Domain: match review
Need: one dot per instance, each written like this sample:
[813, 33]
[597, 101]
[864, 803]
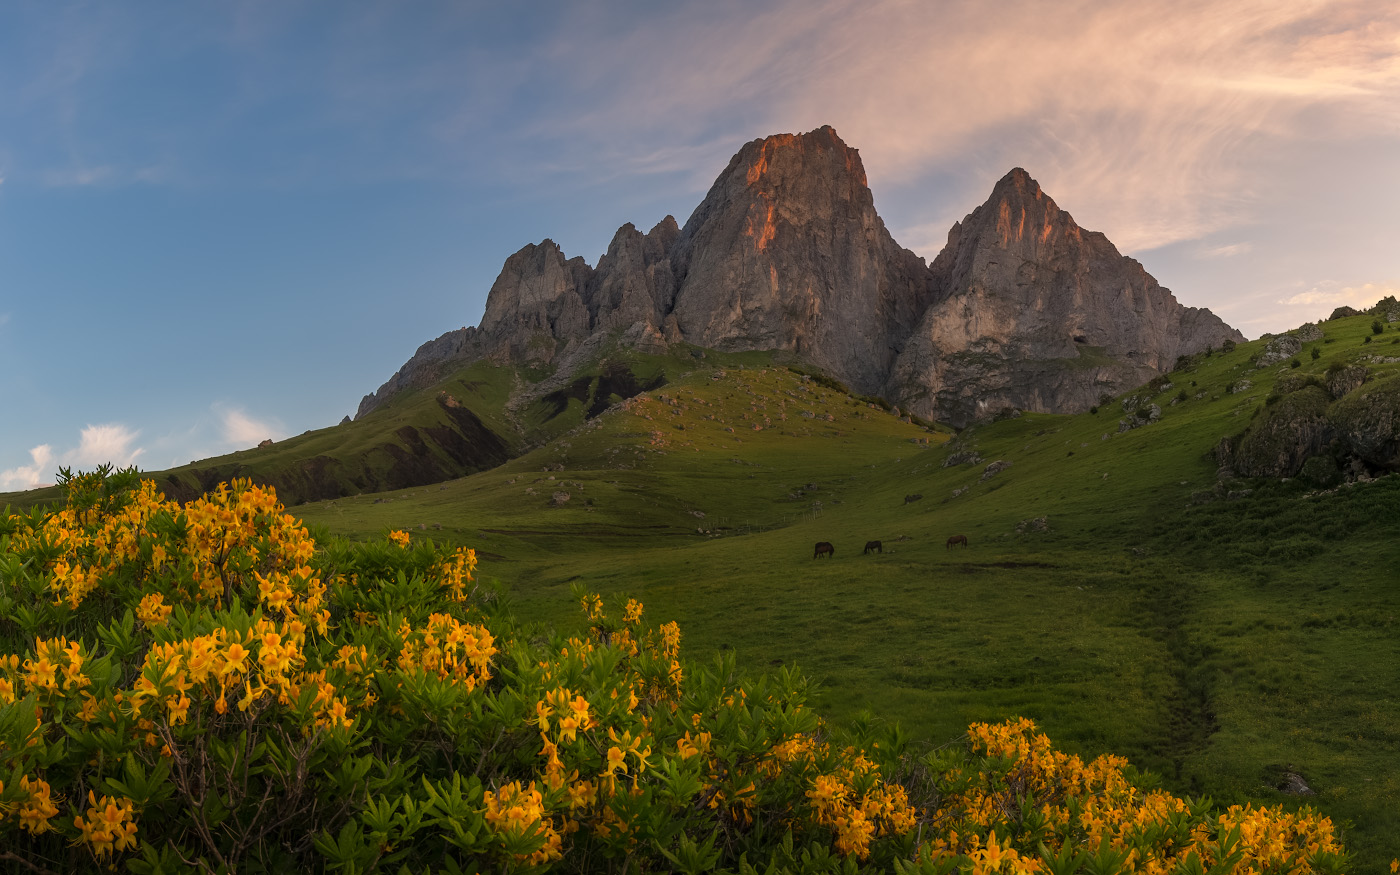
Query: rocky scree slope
[1022, 309]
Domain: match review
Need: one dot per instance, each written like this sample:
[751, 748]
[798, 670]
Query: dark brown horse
[874, 547]
[824, 548]
[955, 540]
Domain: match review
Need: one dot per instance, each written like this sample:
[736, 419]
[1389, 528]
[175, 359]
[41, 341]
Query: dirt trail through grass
[1169, 602]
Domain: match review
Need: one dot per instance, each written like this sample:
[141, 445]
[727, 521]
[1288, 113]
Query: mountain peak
[1017, 180]
[778, 157]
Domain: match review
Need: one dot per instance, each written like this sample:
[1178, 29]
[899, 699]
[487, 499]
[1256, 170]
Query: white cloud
[112, 443]
[104, 444]
[30, 476]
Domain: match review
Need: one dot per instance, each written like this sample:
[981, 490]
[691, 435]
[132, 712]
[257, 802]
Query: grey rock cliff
[1036, 313]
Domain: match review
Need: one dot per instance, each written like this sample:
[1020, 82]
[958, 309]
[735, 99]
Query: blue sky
[221, 222]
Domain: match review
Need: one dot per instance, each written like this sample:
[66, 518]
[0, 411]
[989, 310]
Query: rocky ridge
[1022, 309]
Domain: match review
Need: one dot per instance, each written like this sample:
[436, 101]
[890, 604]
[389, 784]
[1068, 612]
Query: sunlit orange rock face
[787, 252]
[1022, 308]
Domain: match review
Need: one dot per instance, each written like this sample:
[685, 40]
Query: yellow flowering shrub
[201, 687]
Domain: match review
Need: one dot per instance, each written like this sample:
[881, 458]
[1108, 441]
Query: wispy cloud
[1153, 121]
[240, 431]
[1227, 251]
[74, 177]
[1333, 294]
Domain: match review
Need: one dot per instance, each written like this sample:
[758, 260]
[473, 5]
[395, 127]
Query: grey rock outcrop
[1304, 432]
[1368, 420]
[1290, 430]
[1342, 380]
[1307, 332]
[1039, 314]
[1280, 348]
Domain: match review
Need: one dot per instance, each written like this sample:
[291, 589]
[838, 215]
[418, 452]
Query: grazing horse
[955, 540]
[912, 498]
[874, 547]
[824, 548]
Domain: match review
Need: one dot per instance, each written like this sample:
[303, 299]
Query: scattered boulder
[1142, 416]
[1293, 784]
[1307, 333]
[1343, 312]
[995, 468]
[964, 457]
[559, 499]
[345, 421]
[265, 443]
[1039, 524]
[1281, 348]
[1240, 385]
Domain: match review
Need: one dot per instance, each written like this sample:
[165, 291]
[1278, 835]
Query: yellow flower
[398, 537]
[234, 655]
[617, 759]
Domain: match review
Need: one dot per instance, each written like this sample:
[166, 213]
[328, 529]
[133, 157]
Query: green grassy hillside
[1224, 635]
[474, 420]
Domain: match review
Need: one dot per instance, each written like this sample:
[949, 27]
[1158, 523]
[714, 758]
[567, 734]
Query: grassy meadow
[1221, 643]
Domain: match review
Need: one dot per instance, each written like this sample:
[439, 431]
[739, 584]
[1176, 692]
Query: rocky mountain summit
[1036, 313]
[1022, 309]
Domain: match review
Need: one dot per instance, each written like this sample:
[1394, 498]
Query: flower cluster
[447, 648]
[1094, 805]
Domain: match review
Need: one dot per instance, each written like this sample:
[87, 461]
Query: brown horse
[955, 540]
[874, 547]
[824, 548]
